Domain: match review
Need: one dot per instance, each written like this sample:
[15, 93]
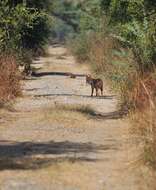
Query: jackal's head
[88, 79]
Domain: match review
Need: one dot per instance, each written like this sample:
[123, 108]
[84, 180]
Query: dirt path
[54, 141]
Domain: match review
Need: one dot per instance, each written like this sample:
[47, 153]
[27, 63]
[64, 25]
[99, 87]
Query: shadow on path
[41, 74]
[34, 155]
[76, 95]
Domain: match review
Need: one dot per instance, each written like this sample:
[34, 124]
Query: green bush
[22, 27]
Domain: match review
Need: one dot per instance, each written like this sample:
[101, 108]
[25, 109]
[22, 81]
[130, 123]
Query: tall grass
[144, 125]
[9, 79]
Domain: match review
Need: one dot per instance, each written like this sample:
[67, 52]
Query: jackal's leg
[101, 91]
[97, 92]
[92, 91]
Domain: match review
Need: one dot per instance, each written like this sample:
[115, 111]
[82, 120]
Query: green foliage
[91, 16]
[67, 11]
[11, 26]
[22, 27]
[36, 34]
[134, 22]
[46, 5]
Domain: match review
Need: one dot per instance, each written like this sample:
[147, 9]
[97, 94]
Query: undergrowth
[10, 86]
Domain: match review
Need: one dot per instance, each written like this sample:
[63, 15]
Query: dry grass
[9, 79]
[100, 53]
[142, 94]
[61, 113]
[144, 126]
[83, 109]
[143, 97]
[70, 116]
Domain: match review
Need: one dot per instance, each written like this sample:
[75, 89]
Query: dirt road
[53, 140]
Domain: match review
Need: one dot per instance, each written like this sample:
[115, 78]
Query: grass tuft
[84, 109]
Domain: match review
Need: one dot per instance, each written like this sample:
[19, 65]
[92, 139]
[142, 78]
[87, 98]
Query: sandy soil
[52, 140]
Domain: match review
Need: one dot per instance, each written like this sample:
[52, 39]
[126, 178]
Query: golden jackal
[95, 83]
